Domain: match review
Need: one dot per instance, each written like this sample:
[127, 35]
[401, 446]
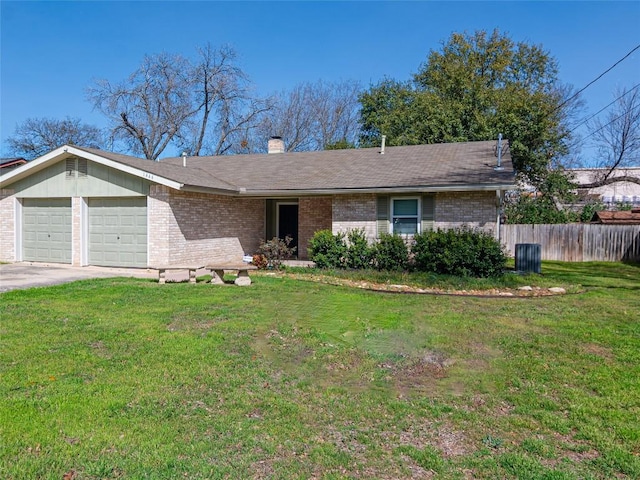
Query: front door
[288, 223]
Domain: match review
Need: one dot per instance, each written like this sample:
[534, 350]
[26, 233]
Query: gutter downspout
[498, 215]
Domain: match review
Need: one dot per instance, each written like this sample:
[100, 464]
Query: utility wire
[596, 79]
[604, 108]
[630, 112]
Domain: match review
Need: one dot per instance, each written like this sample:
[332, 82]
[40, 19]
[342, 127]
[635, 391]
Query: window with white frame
[405, 216]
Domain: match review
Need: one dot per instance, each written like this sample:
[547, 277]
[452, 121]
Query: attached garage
[46, 232]
[118, 232]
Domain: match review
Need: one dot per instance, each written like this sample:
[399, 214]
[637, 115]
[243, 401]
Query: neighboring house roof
[10, 162]
[625, 217]
[436, 167]
[6, 164]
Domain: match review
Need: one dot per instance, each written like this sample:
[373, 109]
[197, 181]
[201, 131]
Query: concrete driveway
[27, 275]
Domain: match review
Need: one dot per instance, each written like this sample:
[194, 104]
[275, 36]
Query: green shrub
[589, 210]
[276, 250]
[359, 252]
[390, 253]
[328, 250]
[463, 252]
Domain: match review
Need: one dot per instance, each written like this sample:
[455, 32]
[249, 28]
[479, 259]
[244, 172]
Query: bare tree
[149, 108]
[617, 138]
[202, 107]
[337, 112]
[290, 118]
[226, 107]
[312, 116]
[37, 136]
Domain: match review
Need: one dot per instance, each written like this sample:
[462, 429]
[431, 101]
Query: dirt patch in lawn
[419, 374]
[598, 350]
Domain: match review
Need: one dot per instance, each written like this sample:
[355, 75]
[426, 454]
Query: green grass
[125, 378]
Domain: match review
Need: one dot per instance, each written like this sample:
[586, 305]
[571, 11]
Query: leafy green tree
[342, 144]
[475, 87]
[532, 209]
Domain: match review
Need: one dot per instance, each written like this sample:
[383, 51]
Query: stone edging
[522, 292]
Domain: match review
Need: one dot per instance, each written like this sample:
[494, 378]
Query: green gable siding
[63, 180]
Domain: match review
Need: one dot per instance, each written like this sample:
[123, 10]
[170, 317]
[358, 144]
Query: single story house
[84, 206]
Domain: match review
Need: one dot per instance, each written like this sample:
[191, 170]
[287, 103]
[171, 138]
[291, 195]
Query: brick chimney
[276, 145]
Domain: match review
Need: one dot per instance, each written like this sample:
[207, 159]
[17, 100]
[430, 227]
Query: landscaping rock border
[521, 292]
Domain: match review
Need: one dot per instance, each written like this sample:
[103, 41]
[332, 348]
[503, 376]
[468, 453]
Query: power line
[612, 121]
[596, 79]
[604, 108]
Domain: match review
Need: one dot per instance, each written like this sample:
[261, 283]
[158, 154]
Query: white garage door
[46, 230]
[118, 232]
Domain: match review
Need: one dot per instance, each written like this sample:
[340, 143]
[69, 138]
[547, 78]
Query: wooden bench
[243, 279]
[162, 272]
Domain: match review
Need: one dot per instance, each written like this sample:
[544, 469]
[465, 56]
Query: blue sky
[51, 51]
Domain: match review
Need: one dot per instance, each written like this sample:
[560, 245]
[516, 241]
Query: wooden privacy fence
[576, 242]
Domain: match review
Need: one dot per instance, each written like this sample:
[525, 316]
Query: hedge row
[462, 252]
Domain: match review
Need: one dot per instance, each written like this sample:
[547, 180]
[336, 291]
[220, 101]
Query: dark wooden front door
[288, 223]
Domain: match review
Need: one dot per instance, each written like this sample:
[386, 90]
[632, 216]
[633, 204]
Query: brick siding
[199, 228]
[455, 209]
[187, 228]
[473, 209]
[7, 226]
[314, 213]
[352, 212]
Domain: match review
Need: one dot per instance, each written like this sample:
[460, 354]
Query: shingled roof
[437, 167]
[624, 217]
[454, 166]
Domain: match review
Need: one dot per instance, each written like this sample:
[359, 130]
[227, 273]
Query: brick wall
[186, 228]
[159, 218]
[7, 226]
[192, 228]
[455, 209]
[353, 212]
[314, 213]
[474, 209]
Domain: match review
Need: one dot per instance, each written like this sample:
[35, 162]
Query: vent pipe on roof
[384, 140]
[499, 167]
[275, 145]
[184, 159]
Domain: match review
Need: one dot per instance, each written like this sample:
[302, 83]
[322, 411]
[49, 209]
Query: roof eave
[209, 190]
[67, 151]
[375, 190]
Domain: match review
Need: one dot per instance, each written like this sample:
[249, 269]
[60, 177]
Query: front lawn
[125, 378]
